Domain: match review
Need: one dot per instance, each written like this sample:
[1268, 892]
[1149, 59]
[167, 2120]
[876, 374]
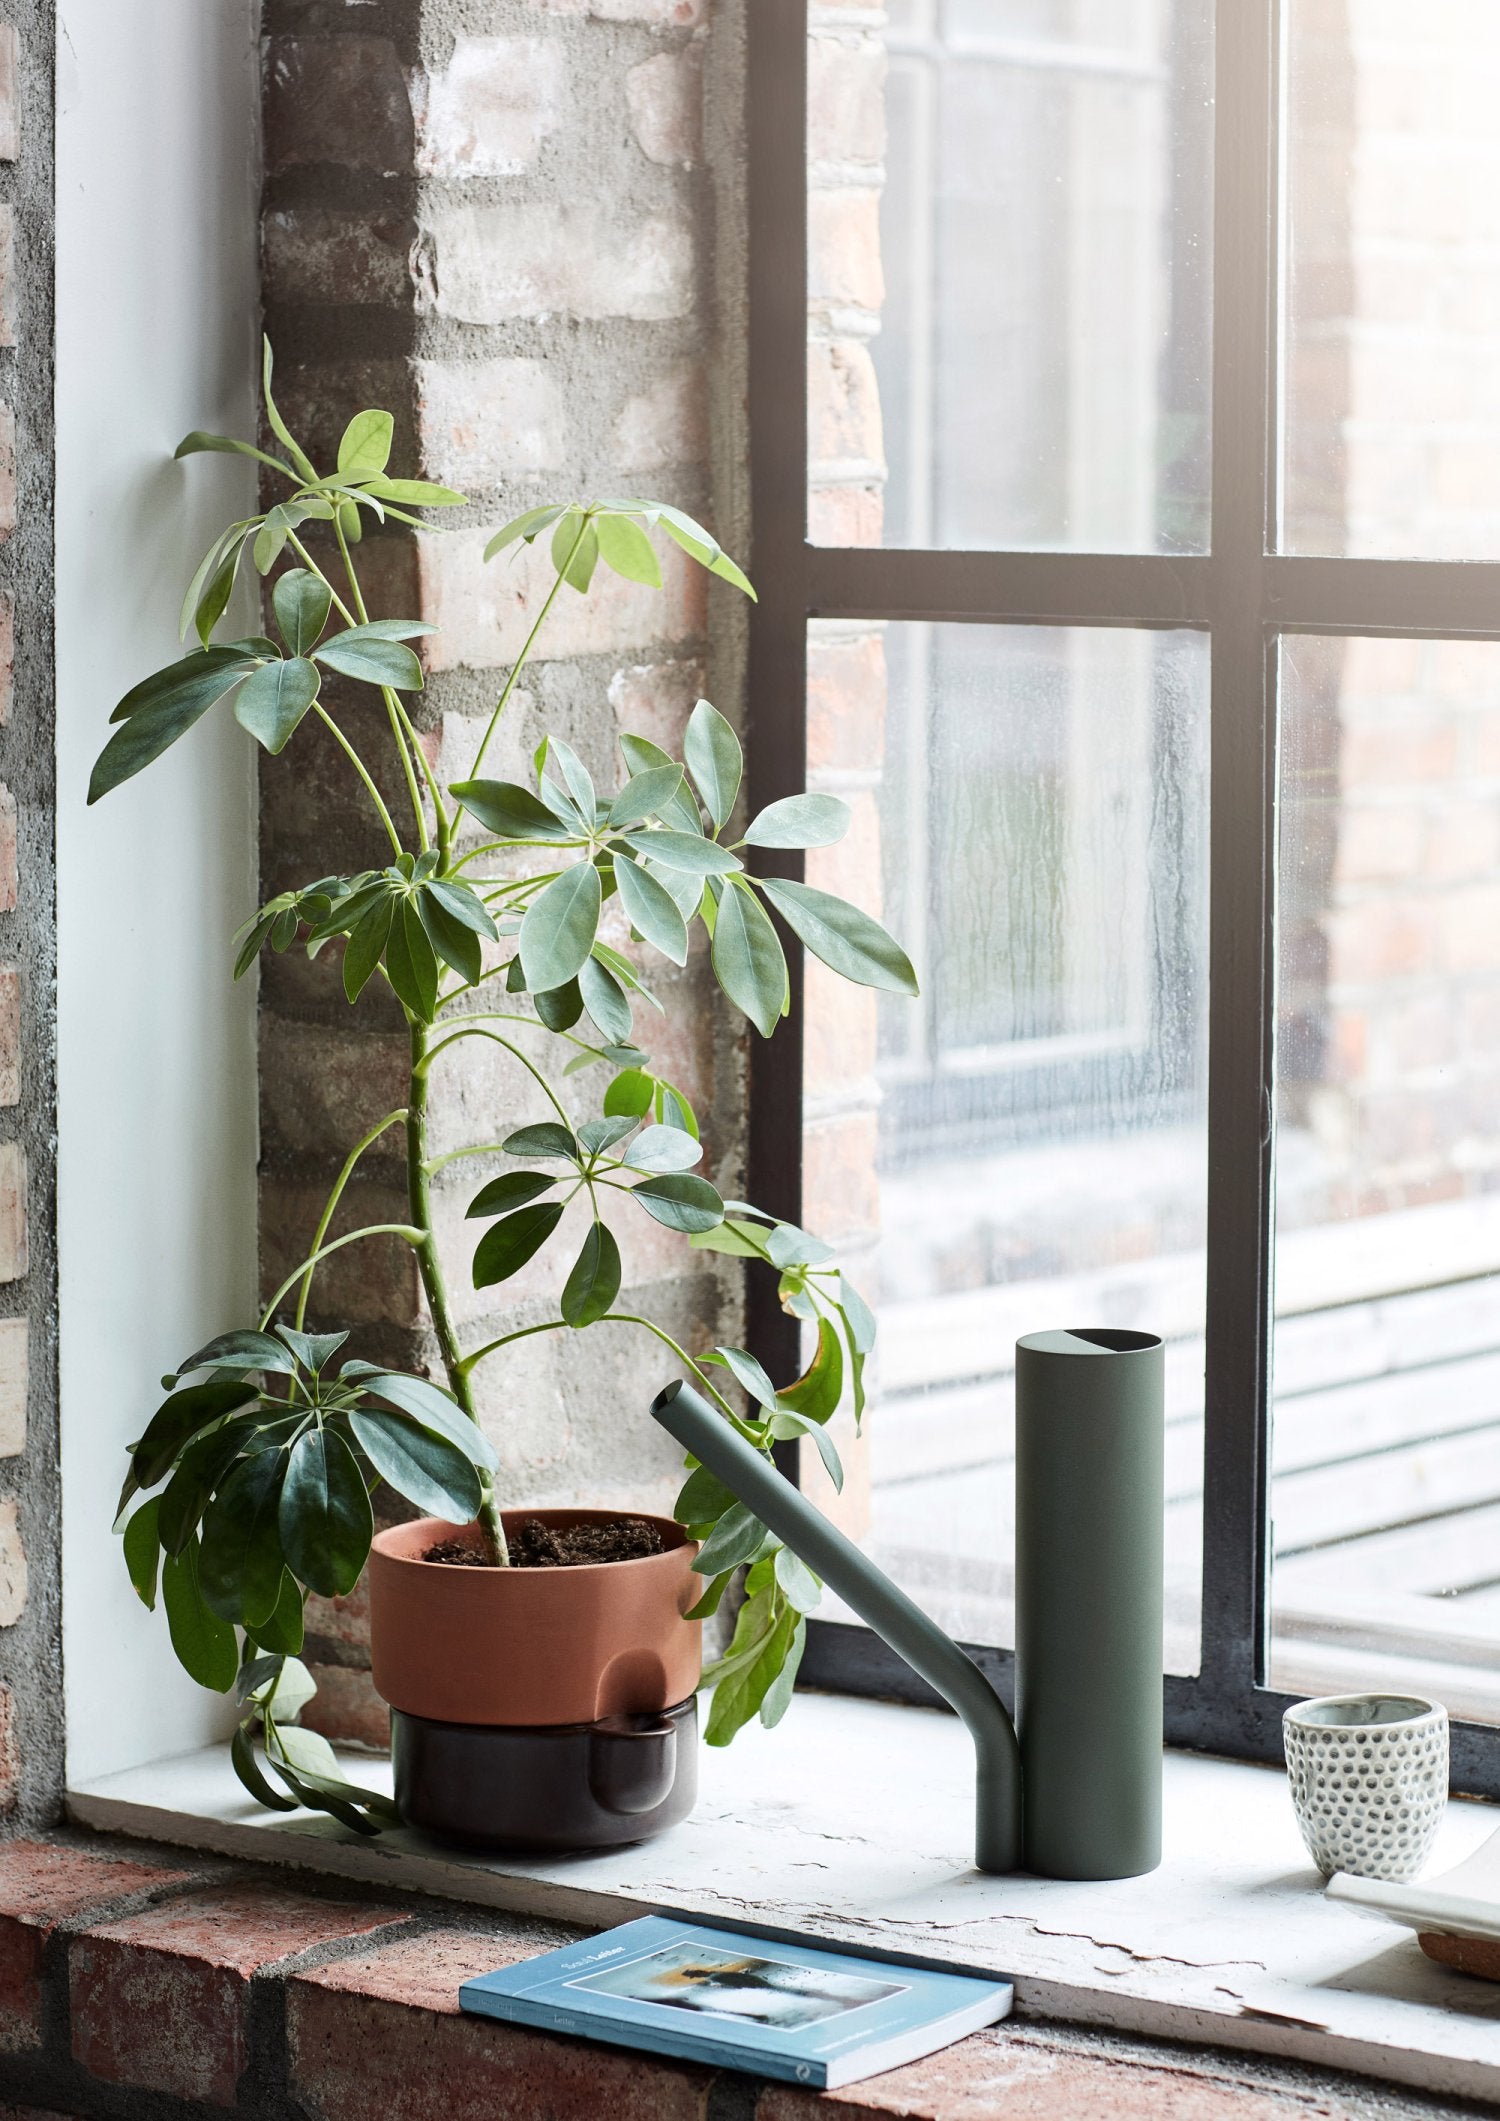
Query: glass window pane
[1024, 1147]
[1392, 358]
[1386, 1454]
[1009, 219]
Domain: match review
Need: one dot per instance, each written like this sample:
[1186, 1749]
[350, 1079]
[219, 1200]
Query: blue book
[737, 2002]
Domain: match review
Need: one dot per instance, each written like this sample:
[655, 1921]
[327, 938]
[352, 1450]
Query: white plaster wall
[156, 323]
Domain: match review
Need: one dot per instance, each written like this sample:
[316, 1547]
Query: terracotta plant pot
[538, 1708]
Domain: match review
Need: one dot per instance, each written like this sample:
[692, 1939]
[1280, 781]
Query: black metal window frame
[1245, 596]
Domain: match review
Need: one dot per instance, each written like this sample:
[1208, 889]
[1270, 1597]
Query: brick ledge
[136, 1986]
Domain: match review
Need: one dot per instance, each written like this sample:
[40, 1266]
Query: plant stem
[413, 1237]
[361, 769]
[390, 705]
[419, 1195]
[333, 1200]
[532, 1070]
[520, 663]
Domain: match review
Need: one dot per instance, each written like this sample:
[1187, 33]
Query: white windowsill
[854, 1821]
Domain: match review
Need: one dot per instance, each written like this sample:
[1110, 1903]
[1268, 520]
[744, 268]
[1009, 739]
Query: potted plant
[566, 1639]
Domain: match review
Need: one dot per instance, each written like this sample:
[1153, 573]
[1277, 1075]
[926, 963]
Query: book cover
[814, 2017]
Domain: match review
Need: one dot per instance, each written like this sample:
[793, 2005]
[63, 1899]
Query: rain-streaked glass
[1385, 1495]
[1009, 286]
[1033, 802]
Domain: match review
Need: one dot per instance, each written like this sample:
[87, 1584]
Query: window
[1126, 486]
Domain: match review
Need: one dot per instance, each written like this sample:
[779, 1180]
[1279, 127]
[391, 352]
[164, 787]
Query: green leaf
[597, 1135]
[575, 551]
[778, 1695]
[861, 1318]
[366, 946]
[846, 940]
[715, 761]
[558, 931]
[575, 773]
[528, 526]
[797, 1580]
[594, 1283]
[365, 445]
[324, 1515]
[178, 1419]
[787, 1246]
[419, 1464]
[142, 1547]
[205, 1644]
[800, 821]
[508, 1244]
[247, 1767]
[651, 910]
[239, 1351]
[546, 1138]
[361, 652]
[428, 1404]
[198, 441]
[833, 1465]
[673, 1109]
[748, 960]
[680, 1200]
[698, 545]
[214, 601]
[283, 1630]
[646, 794]
[663, 1149]
[560, 1007]
[680, 850]
[507, 809]
[415, 493]
[278, 426]
[630, 1094]
[410, 964]
[642, 756]
[702, 1498]
[605, 1000]
[746, 1372]
[463, 904]
[712, 1598]
[274, 699]
[198, 1472]
[162, 709]
[240, 1562]
[818, 1390]
[513, 1190]
[454, 941]
[625, 547]
[301, 603]
[734, 1540]
[313, 1350]
[741, 1694]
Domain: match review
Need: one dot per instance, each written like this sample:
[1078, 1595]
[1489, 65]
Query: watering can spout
[869, 1592]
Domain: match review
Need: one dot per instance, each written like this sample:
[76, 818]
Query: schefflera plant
[252, 1483]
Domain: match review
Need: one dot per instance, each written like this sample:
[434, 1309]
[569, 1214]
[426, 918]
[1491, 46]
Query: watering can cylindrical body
[1089, 1516]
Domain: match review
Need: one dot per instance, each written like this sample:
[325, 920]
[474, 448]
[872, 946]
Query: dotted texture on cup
[1369, 1798]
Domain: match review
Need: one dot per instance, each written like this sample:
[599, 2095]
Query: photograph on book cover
[770, 1992]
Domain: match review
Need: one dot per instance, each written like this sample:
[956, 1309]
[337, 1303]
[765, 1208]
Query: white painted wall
[156, 321]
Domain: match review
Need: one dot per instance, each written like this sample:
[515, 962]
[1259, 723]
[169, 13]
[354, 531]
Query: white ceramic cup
[1369, 1779]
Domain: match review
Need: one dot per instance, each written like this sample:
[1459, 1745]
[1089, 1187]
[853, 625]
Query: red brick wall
[503, 224]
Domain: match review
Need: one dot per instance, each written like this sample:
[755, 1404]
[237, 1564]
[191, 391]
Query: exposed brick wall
[137, 1984]
[501, 221]
[30, 1660]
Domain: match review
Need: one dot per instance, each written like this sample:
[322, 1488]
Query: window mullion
[1235, 1516]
